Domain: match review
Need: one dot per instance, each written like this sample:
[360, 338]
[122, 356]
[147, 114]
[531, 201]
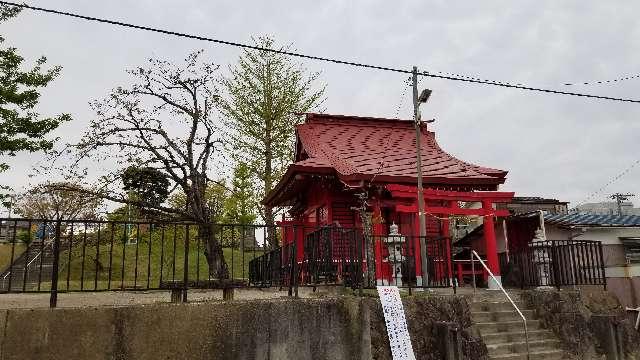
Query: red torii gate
[405, 201]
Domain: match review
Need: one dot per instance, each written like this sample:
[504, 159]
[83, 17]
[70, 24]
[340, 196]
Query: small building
[360, 172]
[472, 228]
[608, 208]
[574, 250]
[527, 204]
[620, 237]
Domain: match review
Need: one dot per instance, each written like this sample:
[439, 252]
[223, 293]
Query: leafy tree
[21, 128]
[146, 183]
[241, 205]
[59, 201]
[215, 196]
[164, 121]
[124, 213]
[24, 236]
[262, 96]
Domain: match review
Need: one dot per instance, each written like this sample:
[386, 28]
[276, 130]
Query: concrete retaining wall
[332, 328]
[590, 323]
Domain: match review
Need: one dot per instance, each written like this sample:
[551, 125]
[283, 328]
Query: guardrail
[474, 254]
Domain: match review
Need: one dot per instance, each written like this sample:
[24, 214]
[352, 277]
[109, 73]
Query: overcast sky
[554, 146]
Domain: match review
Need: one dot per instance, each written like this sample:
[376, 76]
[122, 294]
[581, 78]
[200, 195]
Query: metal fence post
[185, 280]
[292, 249]
[295, 261]
[473, 273]
[359, 268]
[53, 300]
[554, 264]
[602, 266]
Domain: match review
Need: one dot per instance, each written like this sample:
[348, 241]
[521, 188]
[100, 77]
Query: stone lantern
[395, 258]
[541, 257]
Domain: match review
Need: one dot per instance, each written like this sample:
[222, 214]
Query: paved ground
[124, 298]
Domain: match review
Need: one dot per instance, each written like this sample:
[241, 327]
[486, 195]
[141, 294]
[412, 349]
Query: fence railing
[343, 256]
[76, 255]
[93, 255]
[557, 263]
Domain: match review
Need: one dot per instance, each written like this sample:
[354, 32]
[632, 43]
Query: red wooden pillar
[299, 236]
[447, 239]
[378, 233]
[490, 241]
[416, 249]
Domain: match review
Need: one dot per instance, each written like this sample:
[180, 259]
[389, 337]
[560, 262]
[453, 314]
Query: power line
[401, 102]
[523, 87]
[476, 77]
[630, 77]
[319, 58]
[619, 198]
[614, 179]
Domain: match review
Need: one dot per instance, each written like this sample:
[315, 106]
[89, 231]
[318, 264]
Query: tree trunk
[213, 252]
[269, 218]
[369, 241]
[269, 221]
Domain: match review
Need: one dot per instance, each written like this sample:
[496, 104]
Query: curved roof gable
[386, 147]
[361, 148]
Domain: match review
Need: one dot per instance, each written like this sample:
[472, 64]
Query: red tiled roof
[359, 148]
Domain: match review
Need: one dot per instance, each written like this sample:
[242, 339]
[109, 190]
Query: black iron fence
[78, 255]
[54, 256]
[555, 263]
[343, 256]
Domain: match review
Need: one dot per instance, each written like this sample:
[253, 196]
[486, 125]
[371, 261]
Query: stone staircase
[502, 330]
[30, 268]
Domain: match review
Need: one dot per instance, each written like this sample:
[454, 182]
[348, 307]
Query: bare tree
[59, 201]
[164, 121]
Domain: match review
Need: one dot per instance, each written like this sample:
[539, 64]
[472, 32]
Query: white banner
[399, 338]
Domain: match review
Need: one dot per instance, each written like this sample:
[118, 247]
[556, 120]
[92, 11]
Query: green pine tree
[261, 100]
[241, 204]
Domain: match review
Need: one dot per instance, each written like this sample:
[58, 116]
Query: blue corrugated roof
[577, 219]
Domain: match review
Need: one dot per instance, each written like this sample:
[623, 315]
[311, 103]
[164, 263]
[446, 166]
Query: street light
[424, 96]
[417, 100]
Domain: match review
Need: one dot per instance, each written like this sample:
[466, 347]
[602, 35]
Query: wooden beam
[404, 191]
[452, 211]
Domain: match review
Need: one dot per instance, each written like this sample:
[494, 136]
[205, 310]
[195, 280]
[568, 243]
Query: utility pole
[421, 214]
[619, 198]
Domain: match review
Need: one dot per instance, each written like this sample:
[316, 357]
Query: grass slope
[154, 259]
[5, 253]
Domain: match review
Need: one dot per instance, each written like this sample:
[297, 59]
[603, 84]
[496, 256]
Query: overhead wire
[440, 75]
[529, 88]
[476, 77]
[611, 181]
[620, 79]
[407, 82]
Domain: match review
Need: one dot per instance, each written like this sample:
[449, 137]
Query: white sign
[396, 322]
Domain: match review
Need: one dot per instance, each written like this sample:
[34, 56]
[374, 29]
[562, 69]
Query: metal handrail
[524, 320]
[27, 268]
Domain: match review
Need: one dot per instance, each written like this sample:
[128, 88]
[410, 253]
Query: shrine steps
[502, 330]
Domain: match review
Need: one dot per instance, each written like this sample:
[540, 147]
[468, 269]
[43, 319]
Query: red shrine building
[338, 158]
